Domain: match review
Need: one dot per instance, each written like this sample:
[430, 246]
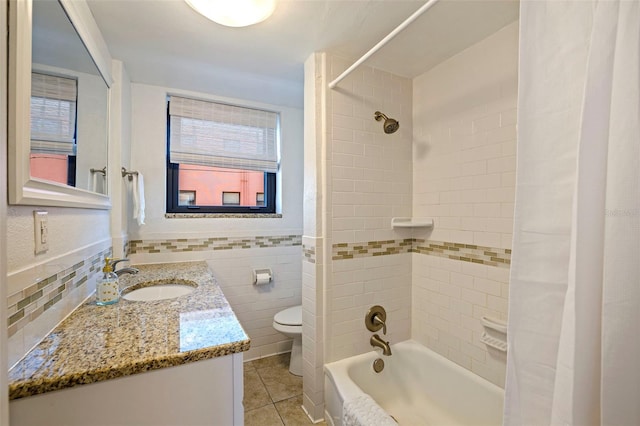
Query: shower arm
[382, 42]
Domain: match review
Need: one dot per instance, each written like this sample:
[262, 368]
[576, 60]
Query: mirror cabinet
[59, 80]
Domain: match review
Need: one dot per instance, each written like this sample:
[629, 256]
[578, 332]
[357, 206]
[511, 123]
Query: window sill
[223, 215]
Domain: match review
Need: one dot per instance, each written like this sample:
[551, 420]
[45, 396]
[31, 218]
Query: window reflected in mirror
[53, 128]
[69, 104]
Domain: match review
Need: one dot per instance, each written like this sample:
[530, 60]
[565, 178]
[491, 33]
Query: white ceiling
[165, 42]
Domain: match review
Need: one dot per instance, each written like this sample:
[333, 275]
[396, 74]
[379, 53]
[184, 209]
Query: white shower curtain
[574, 308]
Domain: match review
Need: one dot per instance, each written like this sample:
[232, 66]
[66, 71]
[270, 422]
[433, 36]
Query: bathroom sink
[151, 291]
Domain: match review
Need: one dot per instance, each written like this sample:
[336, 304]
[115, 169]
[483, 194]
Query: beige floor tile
[280, 383]
[255, 393]
[248, 366]
[291, 412]
[281, 360]
[264, 416]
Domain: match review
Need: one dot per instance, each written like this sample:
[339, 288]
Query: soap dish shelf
[408, 222]
[495, 335]
[494, 324]
[495, 343]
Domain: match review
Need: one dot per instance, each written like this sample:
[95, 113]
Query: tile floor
[272, 395]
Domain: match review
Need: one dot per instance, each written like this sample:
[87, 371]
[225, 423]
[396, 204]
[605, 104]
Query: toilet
[289, 323]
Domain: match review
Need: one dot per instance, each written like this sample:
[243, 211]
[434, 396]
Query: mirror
[59, 97]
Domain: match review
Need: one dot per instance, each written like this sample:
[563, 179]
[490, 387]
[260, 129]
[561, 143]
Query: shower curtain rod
[384, 41]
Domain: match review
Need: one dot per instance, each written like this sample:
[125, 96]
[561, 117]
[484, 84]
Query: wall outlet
[41, 228]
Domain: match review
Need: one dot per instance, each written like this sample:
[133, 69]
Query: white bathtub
[417, 387]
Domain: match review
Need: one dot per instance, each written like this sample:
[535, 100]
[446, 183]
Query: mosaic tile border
[309, 253]
[28, 304]
[472, 253]
[342, 251]
[490, 256]
[216, 243]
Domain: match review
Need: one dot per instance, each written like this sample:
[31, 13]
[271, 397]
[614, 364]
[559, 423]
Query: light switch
[41, 228]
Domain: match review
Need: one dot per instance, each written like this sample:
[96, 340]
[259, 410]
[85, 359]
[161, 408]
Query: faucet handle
[375, 319]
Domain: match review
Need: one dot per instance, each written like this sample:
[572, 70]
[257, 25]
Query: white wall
[254, 306]
[4, 390]
[93, 132]
[119, 156]
[464, 177]
[148, 156]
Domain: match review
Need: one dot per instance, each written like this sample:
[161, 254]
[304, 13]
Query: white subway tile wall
[449, 298]
[369, 182]
[364, 282]
[464, 177]
[312, 318]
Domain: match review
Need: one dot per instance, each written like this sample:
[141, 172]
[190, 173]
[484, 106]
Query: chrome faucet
[121, 271]
[376, 341]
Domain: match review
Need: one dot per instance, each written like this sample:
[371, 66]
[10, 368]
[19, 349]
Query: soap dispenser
[107, 289]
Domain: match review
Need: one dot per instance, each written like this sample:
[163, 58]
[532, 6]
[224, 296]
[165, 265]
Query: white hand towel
[93, 181]
[138, 198]
[364, 411]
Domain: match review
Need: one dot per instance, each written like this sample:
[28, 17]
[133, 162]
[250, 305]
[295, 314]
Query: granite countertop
[98, 343]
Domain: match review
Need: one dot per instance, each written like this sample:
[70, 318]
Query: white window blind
[219, 135]
[53, 114]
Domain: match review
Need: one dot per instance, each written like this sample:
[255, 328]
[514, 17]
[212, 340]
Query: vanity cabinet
[174, 362]
[207, 392]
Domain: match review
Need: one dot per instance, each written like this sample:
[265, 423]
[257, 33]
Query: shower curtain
[574, 308]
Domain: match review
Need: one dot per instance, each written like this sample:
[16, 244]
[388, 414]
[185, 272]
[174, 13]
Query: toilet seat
[289, 317]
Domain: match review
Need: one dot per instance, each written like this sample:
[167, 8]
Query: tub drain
[378, 365]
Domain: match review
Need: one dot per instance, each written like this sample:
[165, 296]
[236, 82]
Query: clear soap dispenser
[107, 289]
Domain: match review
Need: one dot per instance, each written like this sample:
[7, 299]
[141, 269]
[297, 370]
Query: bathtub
[416, 387]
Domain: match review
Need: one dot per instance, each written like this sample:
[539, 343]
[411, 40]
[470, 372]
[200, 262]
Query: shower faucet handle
[378, 321]
[375, 319]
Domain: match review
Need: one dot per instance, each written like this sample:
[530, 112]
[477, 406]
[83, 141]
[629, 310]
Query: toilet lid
[290, 316]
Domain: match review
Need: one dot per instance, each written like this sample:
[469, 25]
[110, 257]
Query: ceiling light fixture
[234, 13]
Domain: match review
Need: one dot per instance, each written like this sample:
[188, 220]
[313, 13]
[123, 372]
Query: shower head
[390, 125]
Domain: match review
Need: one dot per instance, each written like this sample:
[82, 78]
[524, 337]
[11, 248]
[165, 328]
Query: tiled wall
[361, 283]
[490, 256]
[362, 180]
[232, 261]
[48, 293]
[312, 336]
[28, 304]
[313, 263]
[464, 177]
[449, 298]
[368, 183]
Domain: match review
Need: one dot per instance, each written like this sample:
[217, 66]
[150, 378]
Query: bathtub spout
[376, 341]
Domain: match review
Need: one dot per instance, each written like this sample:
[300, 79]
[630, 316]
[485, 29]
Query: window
[187, 198]
[230, 198]
[53, 127]
[225, 154]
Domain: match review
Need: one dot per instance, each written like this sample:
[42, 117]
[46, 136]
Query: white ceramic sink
[158, 292]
